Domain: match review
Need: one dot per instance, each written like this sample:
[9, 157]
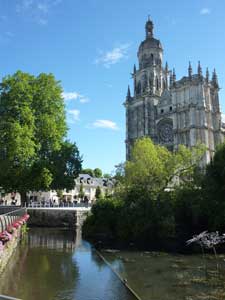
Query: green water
[161, 276]
[59, 265]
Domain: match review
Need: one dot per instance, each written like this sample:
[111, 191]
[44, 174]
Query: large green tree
[33, 152]
[97, 172]
[213, 187]
[153, 168]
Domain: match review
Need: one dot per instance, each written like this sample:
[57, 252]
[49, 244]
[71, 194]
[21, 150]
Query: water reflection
[58, 265]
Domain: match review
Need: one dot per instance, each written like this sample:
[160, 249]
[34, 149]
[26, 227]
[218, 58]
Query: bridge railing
[9, 218]
[7, 298]
[61, 205]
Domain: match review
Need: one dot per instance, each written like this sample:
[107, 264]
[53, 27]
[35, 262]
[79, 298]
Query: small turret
[199, 69]
[174, 77]
[215, 79]
[171, 78]
[128, 93]
[149, 28]
[190, 71]
[166, 68]
[207, 75]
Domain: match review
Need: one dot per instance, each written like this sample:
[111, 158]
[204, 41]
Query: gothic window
[139, 88]
[144, 82]
[157, 83]
[152, 58]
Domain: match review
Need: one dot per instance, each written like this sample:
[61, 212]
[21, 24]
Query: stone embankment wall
[9, 248]
[56, 218]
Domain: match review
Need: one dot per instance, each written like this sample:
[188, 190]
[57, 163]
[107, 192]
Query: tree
[59, 194]
[213, 187]
[153, 168]
[98, 193]
[81, 192]
[97, 173]
[107, 175]
[33, 130]
[88, 171]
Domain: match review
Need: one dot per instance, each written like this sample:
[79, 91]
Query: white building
[84, 190]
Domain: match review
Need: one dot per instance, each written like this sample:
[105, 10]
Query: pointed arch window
[152, 58]
[157, 83]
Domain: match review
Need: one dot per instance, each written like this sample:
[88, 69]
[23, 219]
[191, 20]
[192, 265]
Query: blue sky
[91, 47]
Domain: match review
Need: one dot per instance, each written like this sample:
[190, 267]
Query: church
[171, 111]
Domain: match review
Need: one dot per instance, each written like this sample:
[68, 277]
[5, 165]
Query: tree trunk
[23, 196]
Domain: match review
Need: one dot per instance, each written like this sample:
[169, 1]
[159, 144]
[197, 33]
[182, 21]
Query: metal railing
[2, 297]
[4, 209]
[61, 205]
[7, 219]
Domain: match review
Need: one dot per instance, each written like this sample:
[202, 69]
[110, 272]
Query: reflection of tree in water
[47, 269]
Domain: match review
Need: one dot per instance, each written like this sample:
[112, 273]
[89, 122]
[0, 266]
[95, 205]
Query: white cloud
[223, 118]
[107, 124]
[70, 96]
[73, 115]
[205, 11]
[75, 96]
[84, 99]
[36, 10]
[113, 56]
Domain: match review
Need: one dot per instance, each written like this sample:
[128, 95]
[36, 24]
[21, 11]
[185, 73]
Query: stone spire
[174, 77]
[149, 28]
[166, 76]
[166, 67]
[207, 75]
[135, 69]
[215, 79]
[128, 93]
[190, 71]
[171, 78]
[199, 69]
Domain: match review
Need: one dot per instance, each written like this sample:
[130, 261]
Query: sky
[91, 47]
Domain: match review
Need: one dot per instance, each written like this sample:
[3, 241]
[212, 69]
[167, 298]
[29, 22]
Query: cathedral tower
[171, 112]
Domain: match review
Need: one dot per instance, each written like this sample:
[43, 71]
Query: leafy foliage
[97, 172]
[98, 193]
[150, 189]
[33, 152]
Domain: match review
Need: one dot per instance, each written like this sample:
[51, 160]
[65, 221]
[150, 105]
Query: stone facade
[170, 111]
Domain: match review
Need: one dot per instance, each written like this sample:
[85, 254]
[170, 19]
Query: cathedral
[171, 111]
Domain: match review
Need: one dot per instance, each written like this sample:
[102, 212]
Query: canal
[58, 265]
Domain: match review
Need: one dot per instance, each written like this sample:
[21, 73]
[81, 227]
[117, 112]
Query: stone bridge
[70, 217]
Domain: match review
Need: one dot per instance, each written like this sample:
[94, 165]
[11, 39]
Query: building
[84, 183]
[171, 111]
